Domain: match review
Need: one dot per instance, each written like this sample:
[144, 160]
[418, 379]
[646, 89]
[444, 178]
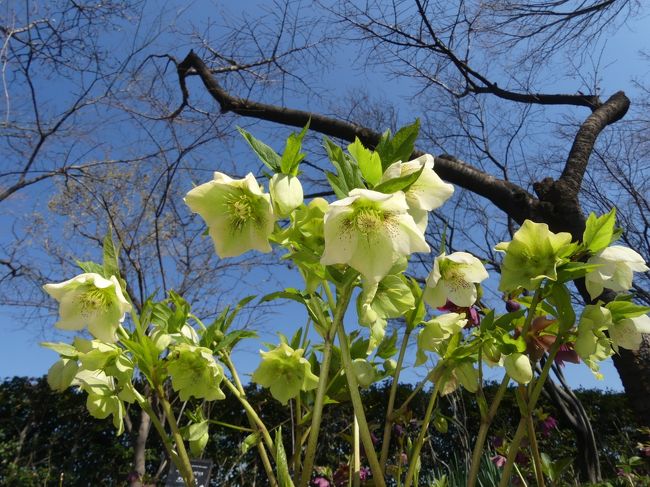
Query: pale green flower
[617, 265]
[533, 254]
[454, 278]
[370, 231]
[364, 371]
[463, 374]
[286, 193]
[518, 367]
[238, 214]
[103, 399]
[436, 331]
[424, 195]
[90, 300]
[592, 345]
[286, 372]
[194, 372]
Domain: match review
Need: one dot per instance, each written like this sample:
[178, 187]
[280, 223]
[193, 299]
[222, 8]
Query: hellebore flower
[627, 333]
[427, 193]
[617, 265]
[436, 331]
[454, 278]
[238, 214]
[286, 372]
[548, 425]
[533, 254]
[591, 344]
[90, 300]
[194, 372]
[518, 367]
[286, 193]
[370, 231]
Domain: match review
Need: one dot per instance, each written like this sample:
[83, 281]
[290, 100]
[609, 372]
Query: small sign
[201, 469]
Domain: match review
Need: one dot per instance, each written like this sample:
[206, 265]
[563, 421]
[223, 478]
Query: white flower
[286, 193]
[617, 264]
[369, 231]
[627, 333]
[427, 193]
[90, 300]
[238, 214]
[454, 278]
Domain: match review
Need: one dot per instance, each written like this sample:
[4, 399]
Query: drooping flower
[90, 300]
[548, 425]
[370, 231]
[628, 332]
[617, 265]
[591, 344]
[437, 330]
[454, 278]
[194, 372]
[286, 193]
[238, 214]
[533, 254]
[518, 367]
[286, 372]
[427, 193]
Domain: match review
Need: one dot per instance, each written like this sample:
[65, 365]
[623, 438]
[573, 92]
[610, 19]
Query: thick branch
[608, 113]
[509, 197]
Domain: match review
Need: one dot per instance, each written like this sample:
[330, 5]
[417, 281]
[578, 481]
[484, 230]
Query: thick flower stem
[417, 447]
[182, 458]
[534, 449]
[486, 421]
[388, 425]
[357, 404]
[266, 463]
[317, 411]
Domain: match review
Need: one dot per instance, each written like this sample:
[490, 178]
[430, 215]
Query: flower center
[240, 210]
[95, 299]
[367, 220]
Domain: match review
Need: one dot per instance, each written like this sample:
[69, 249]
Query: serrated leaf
[63, 349]
[400, 147]
[387, 346]
[402, 183]
[599, 231]
[266, 154]
[339, 186]
[91, 267]
[110, 254]
[574, 270]
[292, 156]
[348, 174]
[562, 301]
[368, 161]
[625, 309]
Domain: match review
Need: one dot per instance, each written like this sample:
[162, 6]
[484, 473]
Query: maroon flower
[498, 460]
[319, 482]
[548, 425]
[364, 473]
[566, 353]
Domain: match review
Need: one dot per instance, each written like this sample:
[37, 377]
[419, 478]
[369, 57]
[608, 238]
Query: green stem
[414, 393]
[415, 451]
[486, 421]
[317, 412]
[534, 449]
[182, 458]
[512, 453]
[357, 404]
[388, 425]
[266, 463]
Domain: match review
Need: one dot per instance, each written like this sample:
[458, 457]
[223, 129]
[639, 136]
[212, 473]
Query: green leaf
[292, 156]
[625, 309]
[574, 270]
[338, 185]
[110, 254]
[368, 161]
[233, 338]
[284, 479]
[561, 299]
[249, 442]
[266, 154]
[63, 349]
[403, 183]
[400, 147]
[511, 345]
[387, 346]
[347, 174]
[599, 231]
[89, 266]
[504, 321]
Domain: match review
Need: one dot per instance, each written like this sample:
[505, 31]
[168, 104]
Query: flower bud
[286, 193]
[518, 367]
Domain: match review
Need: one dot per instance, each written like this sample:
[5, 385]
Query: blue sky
[620, 63]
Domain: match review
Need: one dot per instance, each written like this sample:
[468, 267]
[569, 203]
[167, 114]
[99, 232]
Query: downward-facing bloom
[238, 214]
[90, 300]
[194, 372]
[628, 332]
[286, 193]
[436, 331]
[427, 193]
[617, 265]
[454, 278]
[518, 367]
[533, 254]
[370, 231]
[286, 372]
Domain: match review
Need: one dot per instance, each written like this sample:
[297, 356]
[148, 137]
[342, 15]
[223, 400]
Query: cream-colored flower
[90, 300]
[454, 277]
[617, 266]
[238, 214]
[286, 193]
[369, 231]
[424, 195]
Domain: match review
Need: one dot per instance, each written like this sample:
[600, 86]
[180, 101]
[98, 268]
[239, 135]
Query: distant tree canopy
[47, 436]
